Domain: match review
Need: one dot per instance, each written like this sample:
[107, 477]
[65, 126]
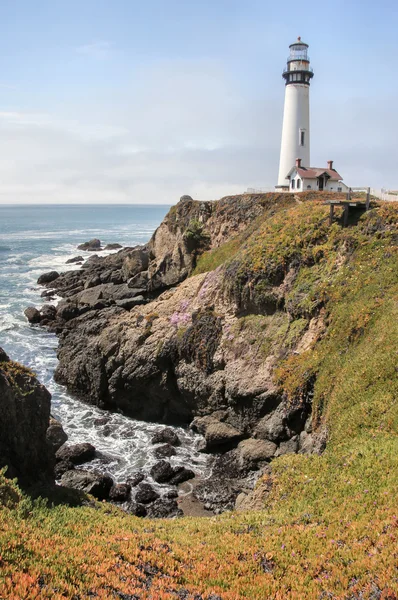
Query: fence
[384, 195]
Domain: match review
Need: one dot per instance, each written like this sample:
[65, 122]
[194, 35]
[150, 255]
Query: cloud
[98, 50]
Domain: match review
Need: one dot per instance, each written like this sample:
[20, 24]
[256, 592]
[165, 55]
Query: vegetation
[329, 528]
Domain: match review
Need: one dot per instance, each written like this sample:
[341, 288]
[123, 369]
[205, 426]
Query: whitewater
[36, 239]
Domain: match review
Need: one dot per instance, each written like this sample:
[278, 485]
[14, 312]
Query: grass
[329, 527]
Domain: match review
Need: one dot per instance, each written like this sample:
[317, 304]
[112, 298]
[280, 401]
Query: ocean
[36, 239]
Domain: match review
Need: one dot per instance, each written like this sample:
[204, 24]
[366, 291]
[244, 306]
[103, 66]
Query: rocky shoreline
[140, 332]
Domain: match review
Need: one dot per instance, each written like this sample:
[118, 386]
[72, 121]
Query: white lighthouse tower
[296, 117]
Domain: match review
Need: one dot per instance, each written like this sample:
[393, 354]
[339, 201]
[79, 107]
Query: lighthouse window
[302, 138]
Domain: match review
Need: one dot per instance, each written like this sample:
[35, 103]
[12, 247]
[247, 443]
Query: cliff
[279, 337]
[24, 421]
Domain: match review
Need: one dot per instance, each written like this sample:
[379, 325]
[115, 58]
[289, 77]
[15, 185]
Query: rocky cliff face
[24, 420]
[141, 332]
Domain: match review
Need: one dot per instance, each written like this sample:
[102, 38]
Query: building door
[320, 184]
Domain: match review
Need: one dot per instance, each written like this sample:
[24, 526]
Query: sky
[125, 101]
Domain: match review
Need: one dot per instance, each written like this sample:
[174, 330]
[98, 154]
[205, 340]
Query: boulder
[48, 277]
[216, 432]
[136, 261]
[77, 454]
[48, 313]
[136, 478]
[120, 492]
[136, 509]
[92, 282]
[114, 246]
[3, 356]
[32, 314]
[166, 436]
[61, 468]
[129, 303]
[164, 451]
[90, 246]
[75, 259]
[181, 474]
[90, 482]
[67, 311]
[164, 508]
[162, 471]
[272, 427]
[251, 451]
[145, 494]
[55, 434]
[111, 276]
[139, 281]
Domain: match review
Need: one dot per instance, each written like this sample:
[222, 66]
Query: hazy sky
[143, 101]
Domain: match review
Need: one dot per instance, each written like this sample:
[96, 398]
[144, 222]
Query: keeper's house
[302, 179]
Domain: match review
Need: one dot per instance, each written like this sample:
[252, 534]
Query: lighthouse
[296, 116]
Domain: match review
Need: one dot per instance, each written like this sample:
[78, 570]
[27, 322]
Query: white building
[296, 117]
[302, 179]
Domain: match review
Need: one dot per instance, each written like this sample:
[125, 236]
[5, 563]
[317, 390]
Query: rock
[289, 447]
[3, 356]
[171, 494]
[55, 434]
[164, 451]
[164, 508]
[251, 451]
[48, 277]
[255, 499]
[48, 313]
[61, 468]
[273, 426]
[90, 482]
[312, 443]
[93, 282]
[180, 475]
[90, 246]
[24, 418]
[129, 303]
[75, 259]
[136, 479]
[120, 492]
[111, 276]
[166, 436]
[67, 311]
[145, 494]
[32, 314]
[77, 454]
[114, 246]
[216, 433]
[186, 198]
[136, 261]
[162, 471]
[139, 281]
[137, 509]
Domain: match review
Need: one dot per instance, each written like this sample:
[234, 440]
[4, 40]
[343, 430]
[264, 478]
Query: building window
[339, 189]
[302, 137]
[298, 184]
[308, 187]
[292, 184]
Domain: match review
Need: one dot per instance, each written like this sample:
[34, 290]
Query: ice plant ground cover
[329, 526]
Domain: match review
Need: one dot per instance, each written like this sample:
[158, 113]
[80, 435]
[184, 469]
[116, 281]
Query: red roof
[314, 172]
